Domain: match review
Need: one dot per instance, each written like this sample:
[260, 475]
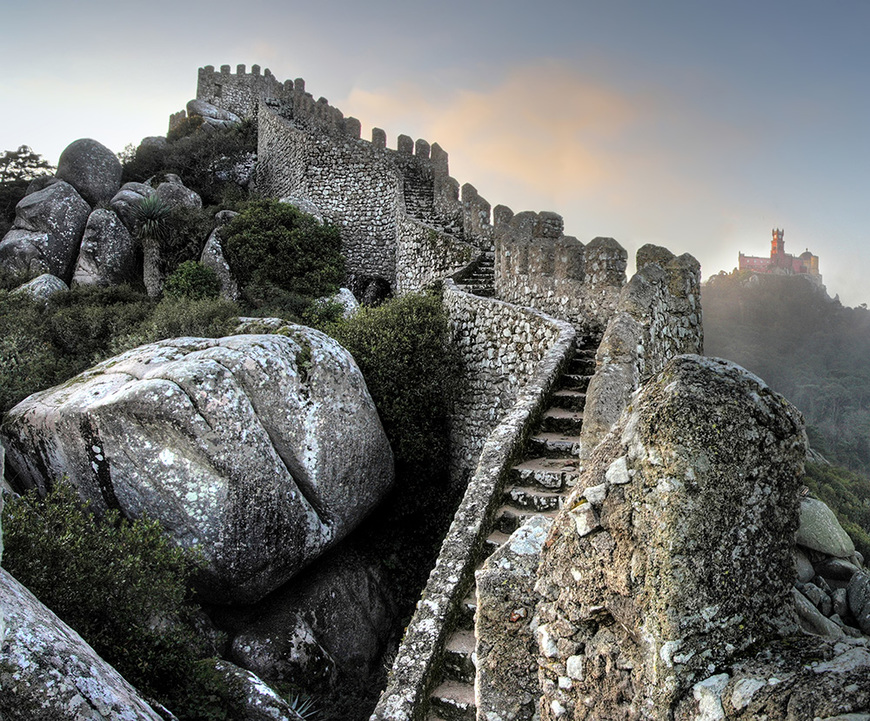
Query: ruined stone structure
[780, 262]
[556, 349]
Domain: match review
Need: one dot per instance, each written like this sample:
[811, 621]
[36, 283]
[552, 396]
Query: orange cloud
[542, 128]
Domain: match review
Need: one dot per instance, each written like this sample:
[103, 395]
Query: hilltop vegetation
[812, 349]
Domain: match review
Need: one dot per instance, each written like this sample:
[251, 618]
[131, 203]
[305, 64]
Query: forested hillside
[810, 348]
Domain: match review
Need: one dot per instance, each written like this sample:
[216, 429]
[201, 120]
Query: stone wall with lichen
[536, 264]
[401, 215]
[500, 346]
[351, 183]
[490, 431]
[658, 316]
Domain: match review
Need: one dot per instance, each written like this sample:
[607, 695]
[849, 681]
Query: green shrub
[180, 317]
[203, 157]
[42, 344]
[187, 232]
[411, 374]
[126, 589]
[194, 281]
[273, 244]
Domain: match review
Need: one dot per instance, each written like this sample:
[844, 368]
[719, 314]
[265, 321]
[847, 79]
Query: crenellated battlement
[537, 264]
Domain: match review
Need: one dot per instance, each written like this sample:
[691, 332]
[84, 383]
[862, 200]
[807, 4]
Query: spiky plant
[302, 707]
[152, 229]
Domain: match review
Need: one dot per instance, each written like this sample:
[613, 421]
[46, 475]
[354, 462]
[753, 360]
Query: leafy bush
[411, 374]
[204, 157]
[125, 588]
[194, 281]
[188, 230]
[179, 317]
[273, 244]
[42, 344]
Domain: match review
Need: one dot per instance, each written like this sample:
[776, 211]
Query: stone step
[459, 656]
[528, 498]
[553, 445]
[509, 518]
[568, 399]
[574, 381]
[454, 701]
[551, 474]
[467, 609]
[493, 542]
[561, 420]
[581, 365]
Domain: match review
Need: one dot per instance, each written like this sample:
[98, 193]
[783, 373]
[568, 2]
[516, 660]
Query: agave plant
[152, 216]
[302, 707]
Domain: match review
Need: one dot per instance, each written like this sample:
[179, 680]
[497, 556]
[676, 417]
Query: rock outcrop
[43, 286]
[675, 553]
[325, 629]
[212, 114]
[212, 256]
[47, 231]
[47, 671]
[91, 168]
[175, 194]
[126, 201]
[261, 450]
[107, 255]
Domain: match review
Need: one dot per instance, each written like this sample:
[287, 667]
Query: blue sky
[696, 125]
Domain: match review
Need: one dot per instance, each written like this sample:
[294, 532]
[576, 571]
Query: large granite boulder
[212, 114]
[213, 257]
[262, 450]
[47, 671]
[47, 231]
[107, 255]
[682, 561]
[91, 168]
[175, 194]
[262, 703]
[327, 628]
[820, 530]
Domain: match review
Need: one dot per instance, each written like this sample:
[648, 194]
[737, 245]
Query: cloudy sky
[692, 124]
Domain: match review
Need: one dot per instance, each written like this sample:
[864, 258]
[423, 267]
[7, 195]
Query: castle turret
[777, 244]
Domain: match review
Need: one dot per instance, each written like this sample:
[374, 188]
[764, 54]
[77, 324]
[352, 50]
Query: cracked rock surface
[263, 450]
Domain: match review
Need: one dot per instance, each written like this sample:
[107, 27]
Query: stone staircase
[537, 486]
[482, 279]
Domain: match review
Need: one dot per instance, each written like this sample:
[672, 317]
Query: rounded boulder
[261, 450]
[91, 168]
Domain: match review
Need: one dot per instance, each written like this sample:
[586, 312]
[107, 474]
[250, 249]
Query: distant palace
[780, 262]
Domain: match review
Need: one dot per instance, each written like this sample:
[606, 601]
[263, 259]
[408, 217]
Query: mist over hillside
[806, 345]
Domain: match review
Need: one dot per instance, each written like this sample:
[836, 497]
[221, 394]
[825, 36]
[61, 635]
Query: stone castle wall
[658, 316]
[351, 183]
[536, 264]
[492, 442]
[403, 217]
[389, 202]
[501, 346]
